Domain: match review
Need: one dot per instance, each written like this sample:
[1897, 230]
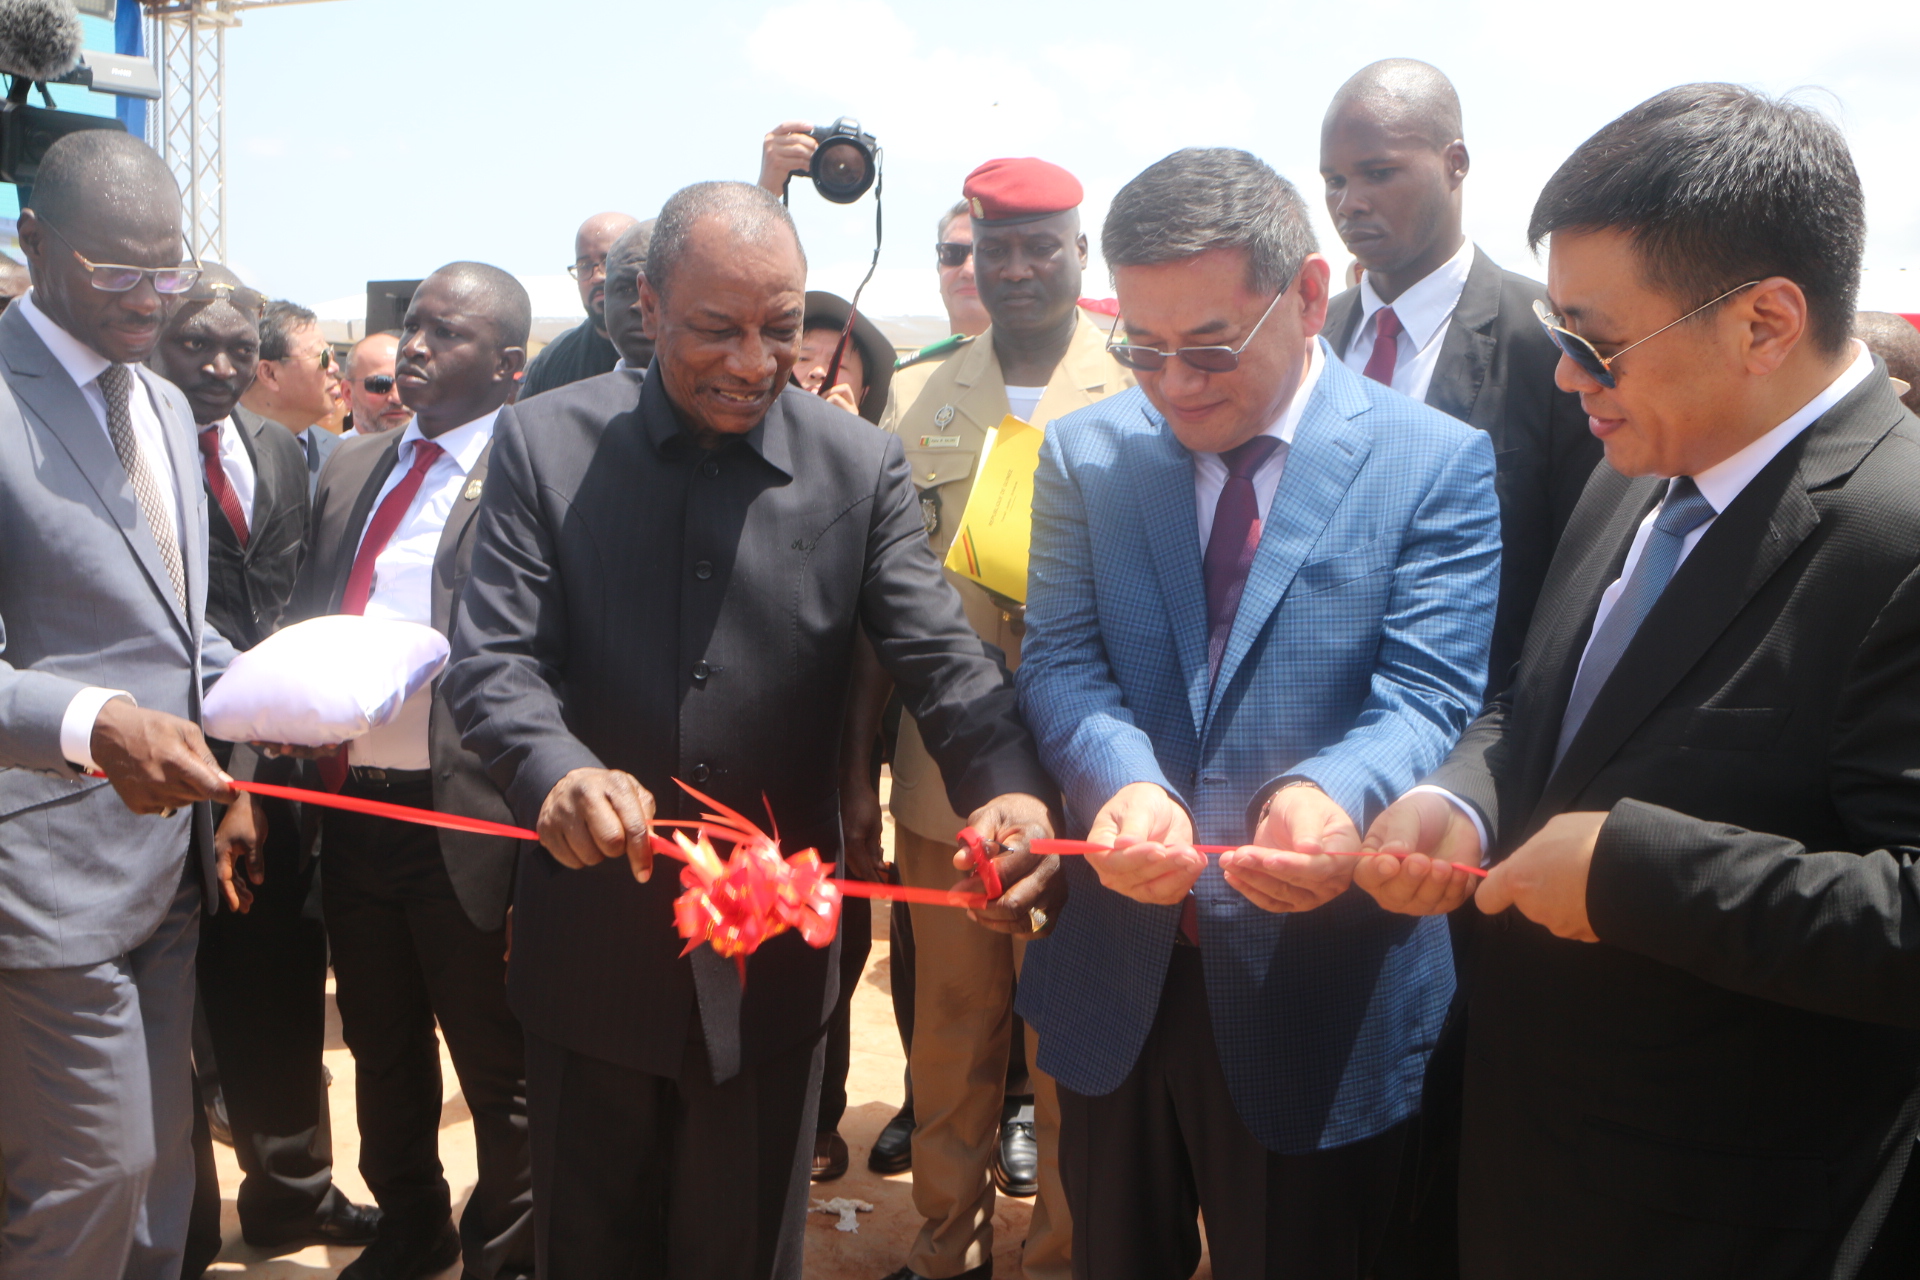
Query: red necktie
[392, 510]
[219, 486]
[1232, 542]
[1386, 346]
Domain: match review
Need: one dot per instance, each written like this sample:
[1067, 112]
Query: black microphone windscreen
[39, 39]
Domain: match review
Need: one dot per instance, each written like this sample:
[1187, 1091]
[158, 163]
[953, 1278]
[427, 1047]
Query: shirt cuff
[76, 726]
[1473, 815]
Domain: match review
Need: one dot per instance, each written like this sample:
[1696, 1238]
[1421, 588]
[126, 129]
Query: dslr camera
[845, 163]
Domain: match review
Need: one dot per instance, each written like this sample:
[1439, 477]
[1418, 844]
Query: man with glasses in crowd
[1693, 1045]
[371, 391]
[293, 383]
[262, 964]
[1261, 592]
[1040, 359]
[584, 351]
[106, 839]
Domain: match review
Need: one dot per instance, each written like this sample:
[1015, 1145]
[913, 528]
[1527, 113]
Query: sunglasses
[1588, 357]
[110, 277]
[242, 299]
[1205, 359]
[377, 384]
[953, 253]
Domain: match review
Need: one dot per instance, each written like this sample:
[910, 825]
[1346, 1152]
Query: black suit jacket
[640, 604]
[481, 867]
[1728, 1083]
[1495, 372]
[248, 588]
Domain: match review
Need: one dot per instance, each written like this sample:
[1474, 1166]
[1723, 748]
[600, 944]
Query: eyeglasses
[586, 269]
[1205, 359]
[1588, 357]
[377, 384]
[109, 277]
[953, 253]
[242, 299]
[326, 359]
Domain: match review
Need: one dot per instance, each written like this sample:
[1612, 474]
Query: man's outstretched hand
[1296, 862]
[1436, 836]
[592, 815]
[1151, 835]
[157, 763]
[1030, 884]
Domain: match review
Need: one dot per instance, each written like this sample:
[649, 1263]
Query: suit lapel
[43, 388]
[1161, 470]
[1466, 352]
[1329, 446]
[446, 556]
[1343, 317]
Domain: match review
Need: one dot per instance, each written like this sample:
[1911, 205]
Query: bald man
[584, 351]
[416, 917]
[372, 394]
[1894, 339]
[106, 839]
[1439, 321]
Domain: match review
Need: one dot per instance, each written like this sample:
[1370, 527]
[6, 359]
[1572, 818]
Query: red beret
[1003, 191]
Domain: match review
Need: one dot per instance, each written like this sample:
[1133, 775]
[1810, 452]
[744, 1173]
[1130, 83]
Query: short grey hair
[951, 216]
[1203, 198]
[752, 214]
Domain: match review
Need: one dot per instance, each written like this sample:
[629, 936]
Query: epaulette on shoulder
[934, 351]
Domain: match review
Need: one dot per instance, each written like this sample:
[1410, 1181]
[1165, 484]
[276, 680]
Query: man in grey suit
[104, 656]
[290, 383]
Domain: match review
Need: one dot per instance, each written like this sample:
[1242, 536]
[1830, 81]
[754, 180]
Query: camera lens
[841, 171]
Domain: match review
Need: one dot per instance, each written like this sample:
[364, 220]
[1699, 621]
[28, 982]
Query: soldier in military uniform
[1040, 359]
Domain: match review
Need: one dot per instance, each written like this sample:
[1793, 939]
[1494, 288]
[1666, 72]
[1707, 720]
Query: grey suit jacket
[480, 867]
[84, 600]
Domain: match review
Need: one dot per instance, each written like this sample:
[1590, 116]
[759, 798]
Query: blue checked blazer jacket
[1357, 658]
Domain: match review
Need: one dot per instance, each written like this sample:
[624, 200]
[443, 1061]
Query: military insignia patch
[930, 511]
[944, 416]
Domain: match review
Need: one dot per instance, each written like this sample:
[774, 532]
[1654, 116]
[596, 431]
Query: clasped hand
[1033, 890]
[1293, 863]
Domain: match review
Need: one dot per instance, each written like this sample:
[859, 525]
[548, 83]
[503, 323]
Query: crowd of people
[1490, 708]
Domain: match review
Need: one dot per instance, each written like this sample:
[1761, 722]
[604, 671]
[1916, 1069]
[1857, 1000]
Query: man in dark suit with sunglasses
[373, 396]
[1693, 1034]
[290, 383]
[1461, 334]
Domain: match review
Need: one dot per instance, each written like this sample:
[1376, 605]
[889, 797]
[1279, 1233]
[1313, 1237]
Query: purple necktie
[1230, 547]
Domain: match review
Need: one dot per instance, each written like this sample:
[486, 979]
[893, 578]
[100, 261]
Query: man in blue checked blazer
[1261, 595]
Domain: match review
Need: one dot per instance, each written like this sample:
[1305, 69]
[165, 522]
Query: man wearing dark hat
[1040, 359]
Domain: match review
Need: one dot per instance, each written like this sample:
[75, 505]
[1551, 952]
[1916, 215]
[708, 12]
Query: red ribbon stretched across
[1073, 847]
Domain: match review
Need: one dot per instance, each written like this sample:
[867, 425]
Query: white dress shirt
[1022, 401]
[238, 464]
[1719, 484]
[1210, 473]
[1423, 311]
[83, 364]
[403, 576]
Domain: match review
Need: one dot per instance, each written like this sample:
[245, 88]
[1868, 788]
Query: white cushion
[324, 681]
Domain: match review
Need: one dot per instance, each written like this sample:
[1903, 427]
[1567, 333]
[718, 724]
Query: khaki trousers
[963, 1020]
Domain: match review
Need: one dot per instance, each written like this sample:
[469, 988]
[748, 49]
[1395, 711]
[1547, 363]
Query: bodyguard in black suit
[417, 916]
[667, 583]
[1464, 337]
[262, 969]
[1693, 1043]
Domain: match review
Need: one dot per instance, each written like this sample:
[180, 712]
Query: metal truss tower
[188, 41]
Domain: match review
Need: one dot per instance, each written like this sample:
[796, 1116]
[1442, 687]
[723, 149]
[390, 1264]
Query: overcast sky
[380, 138]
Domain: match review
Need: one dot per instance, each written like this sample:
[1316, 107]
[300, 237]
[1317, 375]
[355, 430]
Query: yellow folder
[990, 545]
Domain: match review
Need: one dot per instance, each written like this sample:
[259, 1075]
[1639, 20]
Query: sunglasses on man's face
[1205, 359]
[1588, 357]
[377, 384]
[111, 277]
[953, 253]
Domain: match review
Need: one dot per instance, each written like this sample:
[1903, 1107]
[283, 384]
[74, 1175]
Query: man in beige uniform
[1041, 359]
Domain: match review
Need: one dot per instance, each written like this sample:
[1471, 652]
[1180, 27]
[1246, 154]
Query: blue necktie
[1684, 510]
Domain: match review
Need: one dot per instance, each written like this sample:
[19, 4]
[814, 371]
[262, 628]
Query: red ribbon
[1070, 848]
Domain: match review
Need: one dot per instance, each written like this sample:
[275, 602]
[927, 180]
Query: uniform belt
[369, 776]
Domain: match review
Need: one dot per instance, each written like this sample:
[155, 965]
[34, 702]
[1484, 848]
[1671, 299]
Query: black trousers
[263, 989]
[645, 1177]
[405, 955]
[1142, 1162]
[856, 944]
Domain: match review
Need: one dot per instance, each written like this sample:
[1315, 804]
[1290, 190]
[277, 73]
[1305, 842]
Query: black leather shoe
[893, 1149]
[339, 1222]
[1016, 1161]
[829, 1157]
[409, 1256]
[982, 1272]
